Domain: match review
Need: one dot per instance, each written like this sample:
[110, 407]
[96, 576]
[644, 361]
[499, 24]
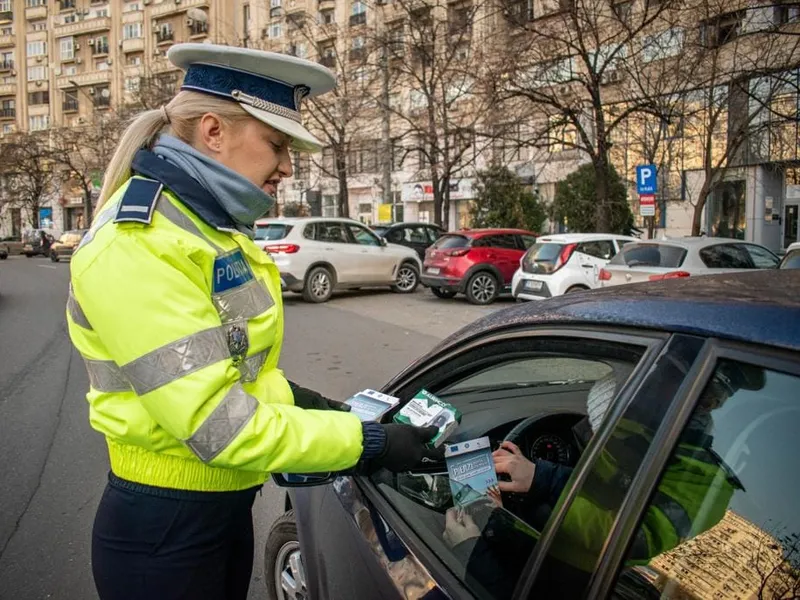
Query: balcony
[133, 45]
[67, 4]
[327, 4]
[7, 40]
[327, 61]
[8, 89]
[35, 12]
[165, 37]
[325, 32]
[90, 78]
[42, 85]
[99, 49]
[6, 65]
[198, 29]
[70, 105]
[173, 8]
[6, 16]
[8, 113]
[359, 19]
[87, 26]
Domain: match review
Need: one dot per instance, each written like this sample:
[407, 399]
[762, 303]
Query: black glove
[311, 400]
[405, 447]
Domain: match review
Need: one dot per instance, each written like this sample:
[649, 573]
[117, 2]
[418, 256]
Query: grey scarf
[237, 195]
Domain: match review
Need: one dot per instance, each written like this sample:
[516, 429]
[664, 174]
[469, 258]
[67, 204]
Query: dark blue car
[664, 423]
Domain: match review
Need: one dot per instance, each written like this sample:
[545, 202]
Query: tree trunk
[446, 203]
[437, 199]
[602, 222]
[88, 209]
[697, 216]
[341, 176]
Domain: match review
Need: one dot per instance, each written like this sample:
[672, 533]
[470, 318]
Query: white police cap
[267, 85]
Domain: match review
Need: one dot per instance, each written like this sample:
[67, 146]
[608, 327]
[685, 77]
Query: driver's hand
[509, 460]
[459, 527]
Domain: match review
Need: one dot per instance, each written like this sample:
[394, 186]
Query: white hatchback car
[564, 263]
[317, 255]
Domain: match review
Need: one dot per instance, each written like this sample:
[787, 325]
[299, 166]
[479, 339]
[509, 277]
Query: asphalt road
[53, 465]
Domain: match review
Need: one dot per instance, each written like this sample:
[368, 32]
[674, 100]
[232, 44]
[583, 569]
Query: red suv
[476, 262]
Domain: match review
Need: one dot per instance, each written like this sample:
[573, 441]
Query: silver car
[317, 255]
[654, 260]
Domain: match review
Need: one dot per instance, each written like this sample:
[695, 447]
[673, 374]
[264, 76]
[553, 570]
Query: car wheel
[283, 564]
[318, 286]
[407, 279]
[482, 288]
[576, 288]
[443, 293]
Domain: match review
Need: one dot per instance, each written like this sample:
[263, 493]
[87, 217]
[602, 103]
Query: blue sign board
[46, 218]
[646, 180]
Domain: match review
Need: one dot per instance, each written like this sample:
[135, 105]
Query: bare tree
[82, 153]
[437, 51]
[28, 174]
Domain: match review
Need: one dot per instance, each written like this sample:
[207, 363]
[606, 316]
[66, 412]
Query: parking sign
[646, 179]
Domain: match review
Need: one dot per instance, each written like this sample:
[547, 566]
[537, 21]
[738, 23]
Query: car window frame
[666, 439]
[652, 343]
[748, 245]
[354, 240]
[716, 247]
[610, 242]
[790, 255]
[434, 233]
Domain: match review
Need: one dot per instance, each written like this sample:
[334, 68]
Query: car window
[395, 236]
[496, 241]
[599, 249]
[272, 231]
[650, 255]
[723, 522]
[726, 256]
[761, 257]
[791, 260]
[416, 234]
[331, 232]
[433, 233]
[495, 388]
[363, 235]
[527, 240]
[447, 242]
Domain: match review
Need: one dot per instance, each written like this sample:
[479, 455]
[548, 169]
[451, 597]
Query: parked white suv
[317, 255]
[565, 263]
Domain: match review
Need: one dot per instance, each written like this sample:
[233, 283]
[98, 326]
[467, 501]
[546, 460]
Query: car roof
[405, 223]
[297, 220]
[487, 231]
[761, 307]
[795, 246]
[582, 237]
[695, 242]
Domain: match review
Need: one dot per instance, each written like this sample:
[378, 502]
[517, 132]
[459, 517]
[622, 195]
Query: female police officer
[178, 317]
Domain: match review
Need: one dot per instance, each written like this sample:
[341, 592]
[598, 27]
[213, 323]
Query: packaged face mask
[370, 405]
[471, 469]
[425, 410]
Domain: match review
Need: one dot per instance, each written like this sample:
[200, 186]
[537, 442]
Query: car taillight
[672, 275]
[282, 249]
[604, 275]
[563, 258]
[458, 252]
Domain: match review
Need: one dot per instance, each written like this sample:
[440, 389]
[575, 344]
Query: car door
[375, 264]
[502, 251]
[416, 237]
[592, 256]
[334, 245]
[396, 545]
[727, 485]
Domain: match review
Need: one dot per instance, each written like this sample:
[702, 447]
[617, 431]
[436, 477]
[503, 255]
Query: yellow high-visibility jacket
[181, 325]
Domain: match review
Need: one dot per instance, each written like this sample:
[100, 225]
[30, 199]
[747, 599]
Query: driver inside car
[495, 553]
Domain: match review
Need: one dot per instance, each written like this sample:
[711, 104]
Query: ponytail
[179, 117]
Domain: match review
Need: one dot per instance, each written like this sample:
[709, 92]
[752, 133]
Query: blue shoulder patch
[231, 270]
[139, 201]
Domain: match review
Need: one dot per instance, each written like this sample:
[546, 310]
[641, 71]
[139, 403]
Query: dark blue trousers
[153, 543]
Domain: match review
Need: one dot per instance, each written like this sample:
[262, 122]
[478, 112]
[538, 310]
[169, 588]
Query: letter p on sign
[646, 180]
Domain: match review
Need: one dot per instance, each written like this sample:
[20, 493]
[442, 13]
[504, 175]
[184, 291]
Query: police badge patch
[238, 343]
[300, 92]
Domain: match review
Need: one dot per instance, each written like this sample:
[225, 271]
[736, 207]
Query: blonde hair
[179, 118]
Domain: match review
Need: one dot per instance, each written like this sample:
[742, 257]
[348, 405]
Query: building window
[246, 18]
[102, 65]
[329, 202]
[165, 33]
[67, 46]
[100, 12]
[8, 109]
[275, 30]
[132, 7]
[99, 45]
[69, 102]
[38, 122]
[302, 165]
[663, 45]
[70, 70]
[132, 84]
[102, 96]
[32, 3]
[721, 30]
[131, 31]
[275, 3]
[37, 48]
[38, 98]
[328, 161]
[9, 30]
[8, 128]
[299, 50]
[37, 73]
[5, 5]
[134, 60]
[70, 18]
[358, 13]
[327, 17]
[38, 25]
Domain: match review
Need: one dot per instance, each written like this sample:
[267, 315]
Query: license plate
[533, 286]
[433, 270]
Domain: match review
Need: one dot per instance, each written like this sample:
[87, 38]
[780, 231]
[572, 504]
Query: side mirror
[302, 479]
[383, 241]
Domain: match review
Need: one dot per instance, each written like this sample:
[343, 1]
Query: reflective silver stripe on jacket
[76, 312]
[675, 513]
[177, 218]
[251, 366]
[177, 359]
[223, 424]
[106, 376]
[244, 302]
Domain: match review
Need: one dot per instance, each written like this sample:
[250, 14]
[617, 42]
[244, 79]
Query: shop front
[418, 202]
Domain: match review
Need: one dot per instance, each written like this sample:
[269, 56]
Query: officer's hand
[459, 527]
[509, 460]
[311, 400]
[406, 447]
